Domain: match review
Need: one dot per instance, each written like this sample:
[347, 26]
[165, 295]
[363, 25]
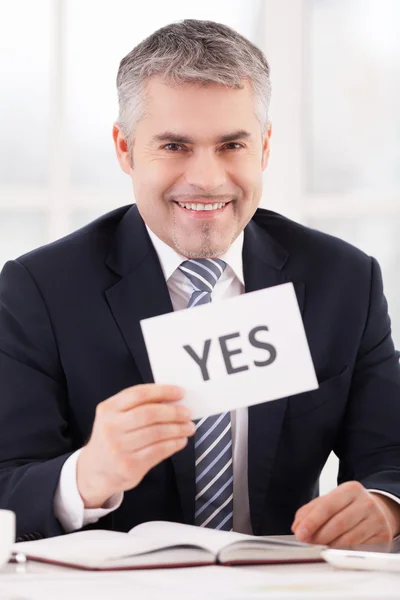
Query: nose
[205, 170]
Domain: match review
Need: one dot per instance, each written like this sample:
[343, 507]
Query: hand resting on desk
[348, 515]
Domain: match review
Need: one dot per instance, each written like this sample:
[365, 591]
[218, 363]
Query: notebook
[162, 544]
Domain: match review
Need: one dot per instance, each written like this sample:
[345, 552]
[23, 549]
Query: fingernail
[302, 533]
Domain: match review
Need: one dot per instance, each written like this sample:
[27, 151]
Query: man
[88, 440]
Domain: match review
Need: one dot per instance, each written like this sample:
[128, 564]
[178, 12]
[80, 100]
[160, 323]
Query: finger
[155, 434]
[150, 414]
[302, 512]
[362, 533]
[156, 453]
[325, 507]
[146, 393]
[341, 523]
[351, 488]
[384, 545]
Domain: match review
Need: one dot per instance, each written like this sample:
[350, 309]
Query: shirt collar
[170, 259]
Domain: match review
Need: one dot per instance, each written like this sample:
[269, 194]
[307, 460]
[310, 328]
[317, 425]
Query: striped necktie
[213, 439]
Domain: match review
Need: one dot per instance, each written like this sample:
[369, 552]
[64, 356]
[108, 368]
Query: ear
[122, 149]
[266, 147]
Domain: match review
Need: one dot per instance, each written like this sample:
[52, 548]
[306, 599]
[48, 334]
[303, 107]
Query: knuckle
[150, 456]
[101, 409]
[348, 539]
[172, 446]
[148, 413]
[325, 512]
[168, 446]
[311, 523]
[317, 519]
[149, 453]
[156, 453]
[180, 442]
[170, 414]
[299, 513]
[182, 430]
[179, 413]
[340, 524]
[147, 437]
[171, 431]
[158, 432]
[115, 447]
[108, 427]
[139, 394]
[355, 487]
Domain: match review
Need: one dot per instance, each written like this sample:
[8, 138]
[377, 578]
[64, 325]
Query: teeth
[215, 206]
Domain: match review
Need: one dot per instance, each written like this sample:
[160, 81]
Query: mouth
[202, 209]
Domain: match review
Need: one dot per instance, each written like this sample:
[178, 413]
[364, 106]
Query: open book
[159, 544]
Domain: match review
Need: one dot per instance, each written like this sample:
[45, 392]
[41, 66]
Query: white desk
[37, 581]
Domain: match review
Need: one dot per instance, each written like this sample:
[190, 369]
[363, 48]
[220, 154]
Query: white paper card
[242, 351]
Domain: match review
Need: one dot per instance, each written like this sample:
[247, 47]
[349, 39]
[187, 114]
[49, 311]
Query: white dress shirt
[68, 504]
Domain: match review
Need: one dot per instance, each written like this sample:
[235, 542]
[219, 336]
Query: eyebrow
[171, 136]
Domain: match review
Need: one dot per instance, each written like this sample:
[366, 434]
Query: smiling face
[197, 161]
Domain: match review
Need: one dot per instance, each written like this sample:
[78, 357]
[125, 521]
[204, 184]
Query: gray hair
[191, 51]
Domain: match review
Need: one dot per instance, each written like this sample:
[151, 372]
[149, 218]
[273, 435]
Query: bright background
[335, 162]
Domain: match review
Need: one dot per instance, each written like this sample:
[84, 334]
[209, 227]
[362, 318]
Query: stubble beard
[207, 248]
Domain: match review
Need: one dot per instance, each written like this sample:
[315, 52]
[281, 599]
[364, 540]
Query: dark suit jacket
[70, 338]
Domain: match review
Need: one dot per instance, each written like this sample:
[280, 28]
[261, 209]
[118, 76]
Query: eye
[233, 146]
[172, 147]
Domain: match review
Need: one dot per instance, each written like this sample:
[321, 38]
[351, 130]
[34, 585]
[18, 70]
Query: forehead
[198, 107]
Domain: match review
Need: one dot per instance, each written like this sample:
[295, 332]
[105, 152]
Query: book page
[178, 533]
[92, 548]
[227, 545]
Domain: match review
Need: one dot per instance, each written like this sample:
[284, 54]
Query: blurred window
[58, 62]
[352, 164]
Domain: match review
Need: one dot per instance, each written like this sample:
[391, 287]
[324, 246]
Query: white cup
[7, 534]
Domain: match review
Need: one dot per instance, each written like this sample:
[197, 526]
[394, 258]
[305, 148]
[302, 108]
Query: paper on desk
[239, 352]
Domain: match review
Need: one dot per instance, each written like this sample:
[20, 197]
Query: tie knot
[203, 273]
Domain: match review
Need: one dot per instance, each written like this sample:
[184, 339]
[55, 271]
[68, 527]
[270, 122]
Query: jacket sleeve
[369, 443]
[35, 440]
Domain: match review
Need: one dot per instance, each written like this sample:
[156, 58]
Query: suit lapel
[142, 293]
[263, 264]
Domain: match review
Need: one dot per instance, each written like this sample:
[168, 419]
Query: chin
[204, 249]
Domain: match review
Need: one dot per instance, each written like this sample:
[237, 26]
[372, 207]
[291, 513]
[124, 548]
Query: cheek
[156, 176]
[248, 178]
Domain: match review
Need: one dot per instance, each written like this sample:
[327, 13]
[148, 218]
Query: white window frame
[59, 199]
[286, 24]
